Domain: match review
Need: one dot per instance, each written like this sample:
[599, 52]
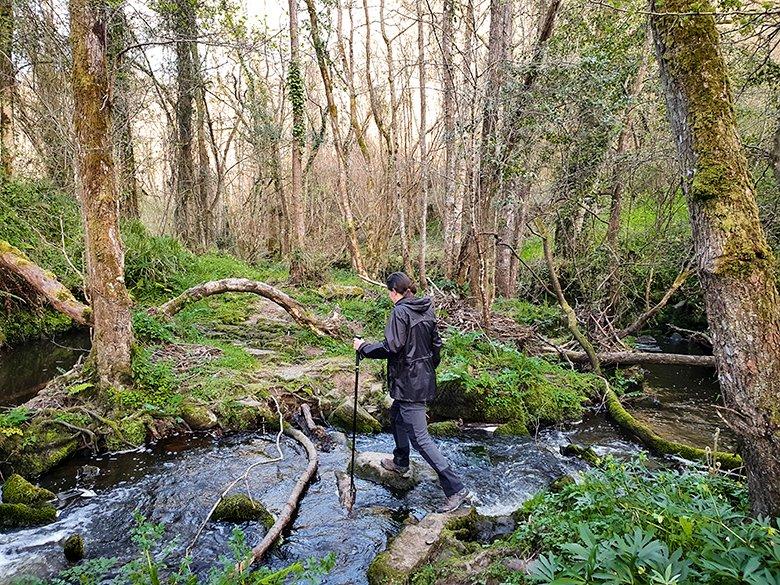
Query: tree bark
[112, 330]
[184, 28]
[451, 211]
[7, 82]
[736, 266]
[639, 358]
[421, 276]
[776, 155]
[44, 283]
[297, 311]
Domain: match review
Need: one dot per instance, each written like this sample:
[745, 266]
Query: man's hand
[357, 342]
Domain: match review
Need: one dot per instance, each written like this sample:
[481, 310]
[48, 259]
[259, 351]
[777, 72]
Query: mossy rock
[17, 490]
[22, 515]
[73, 547]
[41, 447]
[341, 418]
[381, 572]
[446, 428]
[246, 414]
[242, 508]
[515, 428]
[584, 453]
[198, 417]
[128, 432]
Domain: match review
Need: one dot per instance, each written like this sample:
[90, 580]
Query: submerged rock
[22, 515]
[368, 466]
[242, 508]
[73, 547]
[584, 453]
[197, 417]
[17, 490]
[341, 418]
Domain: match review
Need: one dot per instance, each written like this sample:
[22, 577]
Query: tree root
[323, 327]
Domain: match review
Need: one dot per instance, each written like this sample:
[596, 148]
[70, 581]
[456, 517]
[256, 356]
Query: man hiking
[412, 349]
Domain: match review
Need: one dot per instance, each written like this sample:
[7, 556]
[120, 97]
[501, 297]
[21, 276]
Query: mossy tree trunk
[7, 81]
[295, 86]
[735, 265]
[112, 333]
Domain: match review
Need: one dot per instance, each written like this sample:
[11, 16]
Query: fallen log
[640, 358]
[44, 283]
[322, 327]
[292, 502]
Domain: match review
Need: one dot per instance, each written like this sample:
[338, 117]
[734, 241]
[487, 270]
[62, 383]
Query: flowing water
[177, 481]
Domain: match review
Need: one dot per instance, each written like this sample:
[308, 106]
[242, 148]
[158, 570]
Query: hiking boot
[390, 465]
[454, 501]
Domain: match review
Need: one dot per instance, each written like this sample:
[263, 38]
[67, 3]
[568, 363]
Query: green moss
[381, 573]
[447, 428]
[22, 515]
[515, 428]
[198, 417]
[17, 490]
[341, 418]
[484, 381]
[584, 453]
[73, 548]
[127, 433]
[242, 508]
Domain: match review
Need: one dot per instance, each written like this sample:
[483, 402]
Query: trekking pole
[354, 429]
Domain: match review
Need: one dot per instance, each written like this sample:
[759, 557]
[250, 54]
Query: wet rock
[368, 466]
[411, 549]
[197, 417]
[22, 515]
[341, 291]
[584, 453]
[87, 473]
[341, 418]
[515, 428]
[242, 508]
[73, 547]
[445, 428]
[17, 490]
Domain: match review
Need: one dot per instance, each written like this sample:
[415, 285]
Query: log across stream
[177, 481]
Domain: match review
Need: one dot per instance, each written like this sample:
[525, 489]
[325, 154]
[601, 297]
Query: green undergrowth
[627, 524]
[156, 562]
[484, 381]
[545, 317]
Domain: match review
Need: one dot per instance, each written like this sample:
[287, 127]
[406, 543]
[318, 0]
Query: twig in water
[243, 477]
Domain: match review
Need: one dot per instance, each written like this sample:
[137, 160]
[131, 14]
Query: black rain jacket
[412, 348]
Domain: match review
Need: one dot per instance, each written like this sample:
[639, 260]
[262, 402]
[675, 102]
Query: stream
[178, 480]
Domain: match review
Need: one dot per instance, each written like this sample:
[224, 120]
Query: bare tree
[7, 82]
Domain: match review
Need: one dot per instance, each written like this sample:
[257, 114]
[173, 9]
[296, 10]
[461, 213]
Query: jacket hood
[416, 304]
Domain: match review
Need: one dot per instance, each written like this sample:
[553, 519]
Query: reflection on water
[26, 368]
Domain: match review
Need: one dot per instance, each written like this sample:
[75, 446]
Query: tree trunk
[7, 82]
[421, 276]
[123, 136]
[736, 266]
[296, 90]
[776, 155]
[184, 166]
[112, 334]
[341, 177]
[451, 212]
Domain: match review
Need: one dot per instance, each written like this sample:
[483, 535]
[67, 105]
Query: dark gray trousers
[409, 425]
